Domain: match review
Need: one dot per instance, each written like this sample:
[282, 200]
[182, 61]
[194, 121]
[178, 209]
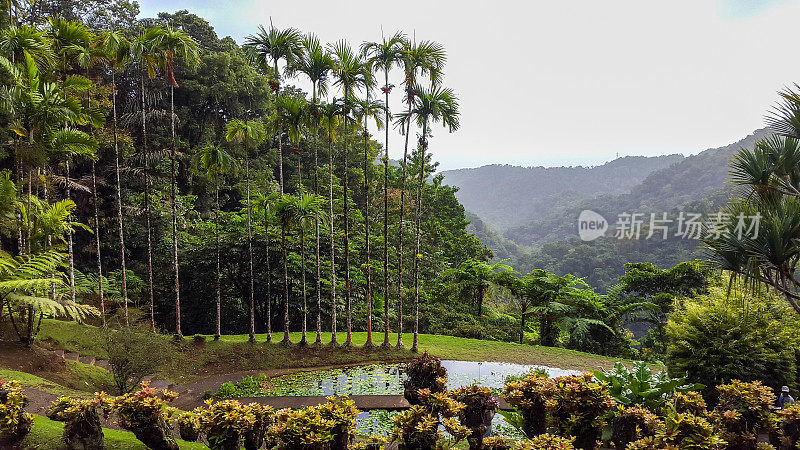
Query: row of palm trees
[161, 49]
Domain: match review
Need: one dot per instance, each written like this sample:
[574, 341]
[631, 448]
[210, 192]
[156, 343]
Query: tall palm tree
[366, 109]
[215, 162]
[352, 73]
[68, 39]
[433, 104]
[145, 49]
[425, 58]
[251, 134]
[267, 204]
[384, 56]
[316, 64]
[302, 212]
[172, 44]
[116, 51]
[330, 123]
[270, 47]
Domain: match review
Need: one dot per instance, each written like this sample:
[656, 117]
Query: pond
[382, 379]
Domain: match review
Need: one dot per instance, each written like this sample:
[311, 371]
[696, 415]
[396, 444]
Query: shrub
[327, 426]
[254, 434]
[640, 386]
[81, 417]
[480, 406]
[146, 414]
[788, 434]
[631, 423]
[743, 411]
[547, 442]
[224, 423]
[528, 396]
[132, 356]
[424, 372]
[15, 423]
[688, 431]
[651, 443]
[709, 338]
[496, 443]
[689, 402]
[577, 405]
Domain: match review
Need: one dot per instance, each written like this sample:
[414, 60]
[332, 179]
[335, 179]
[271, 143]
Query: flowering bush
[424, 372]
[81, 417]
[146, 414]
[327, 426]
[577, 405]
[529, 395]
[14, 421]
[632, 423]
[547, 442]
[479, 409]
[744, 410]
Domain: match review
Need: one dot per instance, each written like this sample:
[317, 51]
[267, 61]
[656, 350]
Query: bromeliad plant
[631, 423]
[528, 396]
[788, 432]
[81, 417]
[146, 414]
[577, 405]
[547, 442]
[189, 426]
[15, 423]
[417, 428]
[227, 423]
[744, 411]
[424, 372]
[640, 386]
[690, 402]
[479, 409]
[327, 426]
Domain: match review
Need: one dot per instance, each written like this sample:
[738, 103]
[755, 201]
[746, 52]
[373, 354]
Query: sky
[577, 82]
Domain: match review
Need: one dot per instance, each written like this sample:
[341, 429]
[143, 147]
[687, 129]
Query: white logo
[591, 225]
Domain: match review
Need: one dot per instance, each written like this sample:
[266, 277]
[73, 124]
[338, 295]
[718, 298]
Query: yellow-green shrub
[14, 421]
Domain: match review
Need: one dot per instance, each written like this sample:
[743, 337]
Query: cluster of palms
[49, 100]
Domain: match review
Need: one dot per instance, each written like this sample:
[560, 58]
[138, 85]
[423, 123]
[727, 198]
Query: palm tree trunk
[316, 233]
[414, 345]
[386, 344]
[269, 280]
[400, 235]
[70, 251]
[119, 198]
[303, 341]
[334, 342]
[286, 342]
[97, 242]
[349, 341]
[146, 212]
[250, 246]
[218, 332]
[368, 291]
[178, 332]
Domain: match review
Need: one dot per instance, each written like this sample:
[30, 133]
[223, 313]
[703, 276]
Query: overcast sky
[566, 82]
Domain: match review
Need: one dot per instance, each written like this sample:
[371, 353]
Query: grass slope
[46, 435]
[187, 362]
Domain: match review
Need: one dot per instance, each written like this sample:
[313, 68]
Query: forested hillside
[507, 196]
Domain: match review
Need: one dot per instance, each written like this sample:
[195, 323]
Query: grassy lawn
[39, 383]
[188, 361]
[46, 435]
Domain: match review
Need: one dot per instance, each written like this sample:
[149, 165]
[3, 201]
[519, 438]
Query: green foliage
[424, 372]
[631, 423]
[330, 425]
[717, 338]
[547, 442]
[743, 411]
[576, 405]
[146, 413]
[14, 421]
[227, 423]
[132, 355]
[640, 386]
[81, 419]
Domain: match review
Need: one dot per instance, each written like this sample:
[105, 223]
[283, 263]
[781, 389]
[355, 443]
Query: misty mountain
[506, 196]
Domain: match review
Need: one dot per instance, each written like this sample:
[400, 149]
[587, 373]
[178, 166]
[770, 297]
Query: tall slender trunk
[119, 198]
[285, 341]
[303, 340]
[400, 234]
[386, 344]
[146, 210]
[349, 341]
[97, 243]
[178, 332]
[316, 223]
[70, 250]
[333, 243]
[269, 280]
[250, 245]
[218, 332]
[423, 147]
[368, 290]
